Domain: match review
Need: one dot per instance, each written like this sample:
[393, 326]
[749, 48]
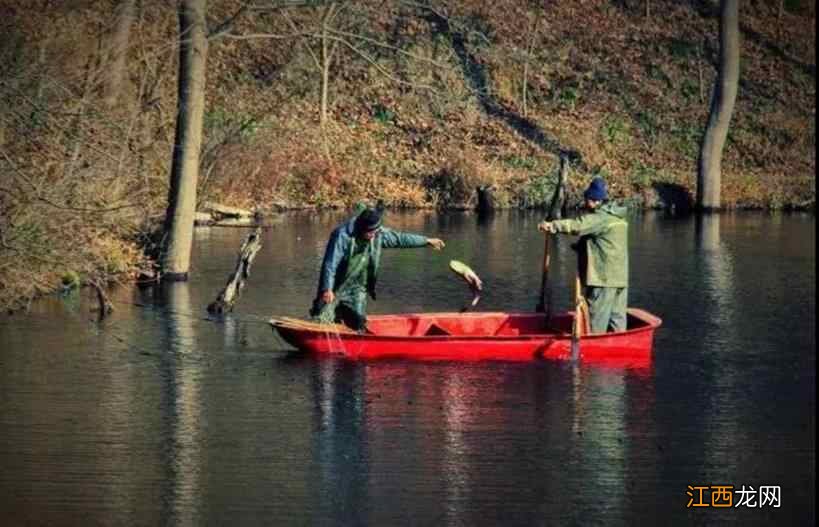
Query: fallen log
[219, 211]
[236, 281]
[236, 222]
[203, 219]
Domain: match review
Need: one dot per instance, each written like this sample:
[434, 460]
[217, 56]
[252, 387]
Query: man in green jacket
[350, 267]
[603, 256]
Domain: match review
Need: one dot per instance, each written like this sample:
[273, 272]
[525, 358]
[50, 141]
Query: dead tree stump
[105, 305]
[486, 202]
[236, 281]
[559, 197]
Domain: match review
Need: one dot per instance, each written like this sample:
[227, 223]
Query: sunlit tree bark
[126, 13]
[709, 173]
[179, 217]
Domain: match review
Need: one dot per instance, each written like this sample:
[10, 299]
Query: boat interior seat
[506, 330]
[434, 329]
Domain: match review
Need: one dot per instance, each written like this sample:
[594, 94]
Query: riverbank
[113, 261]
[422, 108]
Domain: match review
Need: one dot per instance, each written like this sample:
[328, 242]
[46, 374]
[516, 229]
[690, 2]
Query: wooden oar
[545, 301]
[580, 325]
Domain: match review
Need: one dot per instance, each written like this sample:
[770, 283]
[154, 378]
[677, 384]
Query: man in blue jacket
[350, 268]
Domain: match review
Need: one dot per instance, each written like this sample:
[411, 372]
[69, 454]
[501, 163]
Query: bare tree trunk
[179, 217]
[699, 71]
[526, 67]
[75, 135]
[326, 60]
[41, 61]
[722, 107]
[325, 77]
[126, 13]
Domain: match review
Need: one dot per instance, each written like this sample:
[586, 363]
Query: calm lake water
[158, 416]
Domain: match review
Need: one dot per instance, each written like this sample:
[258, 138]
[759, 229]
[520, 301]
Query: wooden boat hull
[479, 336]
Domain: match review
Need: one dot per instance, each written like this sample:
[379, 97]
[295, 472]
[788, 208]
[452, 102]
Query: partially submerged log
[105, 305]
[224, 216]
[236, 281]
[203, 218]
[236, 222]
[219, 211]
[559, 197]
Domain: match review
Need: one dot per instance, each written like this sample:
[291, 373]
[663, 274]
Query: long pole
[545, 300]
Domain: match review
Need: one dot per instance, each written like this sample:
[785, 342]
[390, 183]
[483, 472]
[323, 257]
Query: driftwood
[105, 305]
[203, 218]
[236, 282]
[223, 211]
[236, 222]
[216, 214]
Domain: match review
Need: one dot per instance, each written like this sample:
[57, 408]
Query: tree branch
[381, 68]
[290, 21]
[449, 20]
[225, 26]
[388, 46]
[252, 36]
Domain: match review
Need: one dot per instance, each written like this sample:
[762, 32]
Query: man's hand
[328, 296]
[436, 243]
[546, 226]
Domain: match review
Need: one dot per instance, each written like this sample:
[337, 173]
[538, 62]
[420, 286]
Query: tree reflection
[467, 443]
[181, 408]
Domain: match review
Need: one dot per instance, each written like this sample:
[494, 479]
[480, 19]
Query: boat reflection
[418, 441]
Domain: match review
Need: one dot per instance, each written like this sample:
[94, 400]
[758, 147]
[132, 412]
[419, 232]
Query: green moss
[383, 115]
[520, 162]
[615, 130]
[70, 280]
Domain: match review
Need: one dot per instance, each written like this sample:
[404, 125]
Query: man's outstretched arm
[391, 239]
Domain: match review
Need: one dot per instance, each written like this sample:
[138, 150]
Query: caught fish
[469, 276]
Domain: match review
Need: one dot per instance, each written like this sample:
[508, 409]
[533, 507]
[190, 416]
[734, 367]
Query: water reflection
[478, 443]
[340, 443]
[158, 417]
[181, 407]
[717, 269]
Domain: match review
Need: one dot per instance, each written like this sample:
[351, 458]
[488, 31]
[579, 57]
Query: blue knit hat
[597, 190]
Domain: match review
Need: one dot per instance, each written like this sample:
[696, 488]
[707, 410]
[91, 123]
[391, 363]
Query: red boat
[475, 336]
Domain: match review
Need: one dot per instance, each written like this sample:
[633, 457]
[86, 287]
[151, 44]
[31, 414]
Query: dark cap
[597, 190]
[369, 219]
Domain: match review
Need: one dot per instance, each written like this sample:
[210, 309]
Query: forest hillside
[321, 104]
